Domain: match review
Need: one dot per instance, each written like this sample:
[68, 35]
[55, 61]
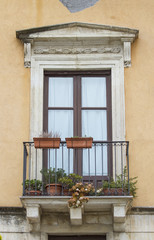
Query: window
[79, 104]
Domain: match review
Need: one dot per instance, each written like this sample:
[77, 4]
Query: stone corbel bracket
[76, 215]
[27, 53]
[33, 214]
[119, 217]
[127, 51]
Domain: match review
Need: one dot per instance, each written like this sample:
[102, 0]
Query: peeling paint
[78, 5]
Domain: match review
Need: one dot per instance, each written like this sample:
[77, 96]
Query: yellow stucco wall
[15, 85]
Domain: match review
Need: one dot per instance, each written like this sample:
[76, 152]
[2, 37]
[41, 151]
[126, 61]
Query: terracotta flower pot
[54, 189]
[33, 193]
[79, 142]
[46, 142]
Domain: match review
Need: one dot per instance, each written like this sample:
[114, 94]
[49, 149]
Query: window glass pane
[61, 121]
[60, 92]
[94, 124]
[93, 92]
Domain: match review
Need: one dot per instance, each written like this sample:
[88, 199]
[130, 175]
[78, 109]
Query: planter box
[66, 192]
[79, 142]
[33, 193]
[46, 142]
[54, 189]
[113, 192]
[76, 215]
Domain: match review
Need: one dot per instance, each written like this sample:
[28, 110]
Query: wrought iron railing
[105, 166]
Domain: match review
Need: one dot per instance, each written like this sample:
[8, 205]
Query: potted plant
[112, 188]
[79, 142]
[33, 187]
[51, 178]
[68, 182]
[127, 185]
[47, 140]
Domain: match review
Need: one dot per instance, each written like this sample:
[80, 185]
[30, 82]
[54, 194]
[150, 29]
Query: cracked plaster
[78, 5]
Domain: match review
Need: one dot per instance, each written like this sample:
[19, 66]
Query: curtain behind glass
[60, 92]
[94, 123]
[60, 120]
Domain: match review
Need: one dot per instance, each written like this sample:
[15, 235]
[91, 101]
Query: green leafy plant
[0, 237]
[33, 184]
[122, 182]
[52, 176]
[70, 180]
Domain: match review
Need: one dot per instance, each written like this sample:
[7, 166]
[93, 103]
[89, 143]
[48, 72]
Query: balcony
[104, 165]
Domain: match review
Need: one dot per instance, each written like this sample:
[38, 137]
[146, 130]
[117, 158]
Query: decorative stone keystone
[76, 215]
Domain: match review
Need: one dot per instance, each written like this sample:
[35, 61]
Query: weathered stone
[91, 219]
[76, 216]
[119, 213]
[63, 219]
[50, 219]
[78, 5]
[105, 219]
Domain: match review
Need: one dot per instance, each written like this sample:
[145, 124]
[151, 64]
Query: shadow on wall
[78, 5]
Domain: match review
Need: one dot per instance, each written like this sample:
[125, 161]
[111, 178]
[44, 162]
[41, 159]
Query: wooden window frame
[77, 237]
[77, 99]
[77, 108]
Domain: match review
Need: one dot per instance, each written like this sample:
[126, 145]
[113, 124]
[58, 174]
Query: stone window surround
[37, 77]
[84, 57]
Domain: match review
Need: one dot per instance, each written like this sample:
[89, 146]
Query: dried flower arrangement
[79, 191]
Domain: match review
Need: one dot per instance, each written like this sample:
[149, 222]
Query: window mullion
[75, 125]
[79, 106]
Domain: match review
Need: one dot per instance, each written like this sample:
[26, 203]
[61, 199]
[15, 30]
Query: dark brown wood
[75, 114]
[78, 237]
[78, 73]
[77, 108]
[109, 123]
[93, 108]
[79, 90]
[45, 104]
[45, 118]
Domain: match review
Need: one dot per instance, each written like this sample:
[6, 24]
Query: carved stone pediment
[77, 29]
[77, 38]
